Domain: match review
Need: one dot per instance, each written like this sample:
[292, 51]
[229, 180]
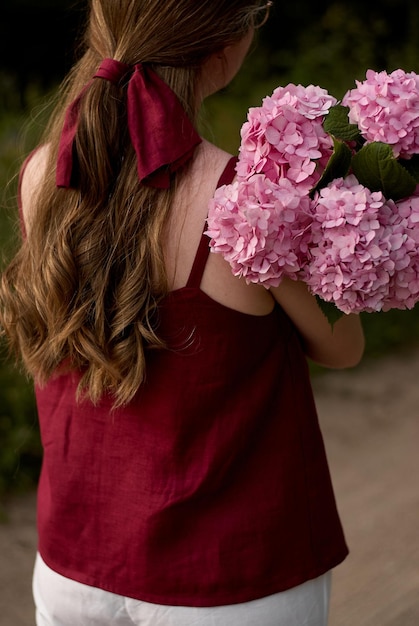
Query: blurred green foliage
[20, 448]
[325, 43]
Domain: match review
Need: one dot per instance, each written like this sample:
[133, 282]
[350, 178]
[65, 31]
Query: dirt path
[370, 420]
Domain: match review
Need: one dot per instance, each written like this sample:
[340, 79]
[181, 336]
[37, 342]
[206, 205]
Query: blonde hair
[84, 288]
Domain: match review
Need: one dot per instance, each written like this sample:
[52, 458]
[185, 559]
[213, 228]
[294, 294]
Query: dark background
[330, 43]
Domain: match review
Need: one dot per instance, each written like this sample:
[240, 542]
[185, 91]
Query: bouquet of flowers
[328, 193]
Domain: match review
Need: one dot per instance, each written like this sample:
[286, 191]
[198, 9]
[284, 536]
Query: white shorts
[61, 601]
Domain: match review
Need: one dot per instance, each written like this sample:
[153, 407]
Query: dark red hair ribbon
[161, 133]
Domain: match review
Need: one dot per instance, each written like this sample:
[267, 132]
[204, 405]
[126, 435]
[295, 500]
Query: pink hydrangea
[311, 102]
[386, 108]
[261, 228]
[404, 284]
[352, 247]
[284, 138]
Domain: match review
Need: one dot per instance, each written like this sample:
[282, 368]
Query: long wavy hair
[85, 285]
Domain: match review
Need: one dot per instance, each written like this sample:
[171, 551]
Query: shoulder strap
[202, 253]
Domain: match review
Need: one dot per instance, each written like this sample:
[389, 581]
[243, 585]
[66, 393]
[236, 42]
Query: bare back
[187, 223]
[184, 231]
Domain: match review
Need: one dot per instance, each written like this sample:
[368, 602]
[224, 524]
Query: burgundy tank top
[212, 486]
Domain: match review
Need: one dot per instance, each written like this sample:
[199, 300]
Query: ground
[370, 421]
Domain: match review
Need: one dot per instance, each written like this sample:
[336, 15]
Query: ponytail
[84, 289]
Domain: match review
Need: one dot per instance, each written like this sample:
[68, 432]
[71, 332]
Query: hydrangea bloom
[261, 228]
[284, 138]
[365, 249]
[386, 108]
[351, 249]
[404, 283]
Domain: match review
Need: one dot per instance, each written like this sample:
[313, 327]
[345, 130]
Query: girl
[184, 478]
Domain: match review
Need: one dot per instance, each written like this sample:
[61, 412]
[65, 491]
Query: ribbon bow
[161, 133]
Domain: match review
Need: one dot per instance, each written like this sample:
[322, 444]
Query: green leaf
[376, 168]
[337, 124]
[337, 166]
[412, 166]
[330, 311]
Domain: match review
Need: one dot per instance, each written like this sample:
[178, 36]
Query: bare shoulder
[218, 280]
[32, 176]
[209, 165]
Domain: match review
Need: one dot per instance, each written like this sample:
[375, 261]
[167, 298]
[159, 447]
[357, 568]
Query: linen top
[211, 486]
